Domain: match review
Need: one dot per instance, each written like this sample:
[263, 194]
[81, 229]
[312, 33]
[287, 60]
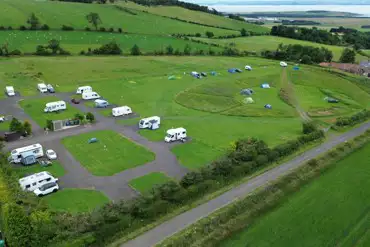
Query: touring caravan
[35, 181]
[283, 64]
[121, 111]
[42, 88]
[99, 103]
[18, 154]
[195, 74]
[9, 90]
[175, 134]
[81, 90]
[55, 106]
[90, 95]
[147, 123]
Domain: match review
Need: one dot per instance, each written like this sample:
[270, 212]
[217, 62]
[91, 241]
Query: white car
[51, 154]
[2, 119]
[46, 189]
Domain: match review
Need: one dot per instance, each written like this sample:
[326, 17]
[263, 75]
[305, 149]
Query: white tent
[247, 67]
[265, 85]
[283, 64]
[248, 100]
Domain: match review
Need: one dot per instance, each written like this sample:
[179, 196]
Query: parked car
[75, 101]
[51, 154]
[2, 119]
[46, 189]
[50, 88]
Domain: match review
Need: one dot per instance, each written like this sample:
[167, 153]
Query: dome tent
[265, 85]
[248, 100]
[247, 67]
[247, 91]
[268, 106]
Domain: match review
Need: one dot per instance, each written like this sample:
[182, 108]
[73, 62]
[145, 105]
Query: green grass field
[56, 169]
[112, 153]
[260, 43]
[145, 183]
[35, 109]
[326, 212]
[76, 41]
[75, 200]
[55, 14]
[142, 83]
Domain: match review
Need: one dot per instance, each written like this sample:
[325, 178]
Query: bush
[82, 52]
[135, 50]
[90, 117]
[198, 35]
[27, 128]
[111, 30]
[2, 28]
[111, 48]
[120, 30]
[67, 28]
[22, 28]
[308, 127]
[87, 29]
[10, 28]
[45, 27]
[15, 53]
[354, 119]
[102, 29]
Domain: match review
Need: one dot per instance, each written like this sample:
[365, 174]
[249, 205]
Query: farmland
[330, 211]
[101, 158]
[76, 41]
[260, 43]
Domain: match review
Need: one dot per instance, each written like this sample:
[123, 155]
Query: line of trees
[299, 53]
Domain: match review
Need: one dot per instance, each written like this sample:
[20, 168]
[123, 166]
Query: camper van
[55, 106]
[42, 88]
[195, 74]
[81, 90]
[147, 123]
[35, 181]
[9, 90]
[90, 95]
[283, 64]
[121, 111]
[99, 103]
[175, 134]
[17, 155]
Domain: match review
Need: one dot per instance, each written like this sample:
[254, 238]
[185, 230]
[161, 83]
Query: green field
[56, 169]
[260, 43]
[112, 153]
[195, 16]
[76, 41]
[55, 14]
[145, 183]
[326, 212]
[35, 109]
[75, 200]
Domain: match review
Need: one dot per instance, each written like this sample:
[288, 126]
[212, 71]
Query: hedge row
[357, 118]
[45, 27]
[225, 222]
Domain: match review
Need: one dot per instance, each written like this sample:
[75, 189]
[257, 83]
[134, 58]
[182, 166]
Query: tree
[90, 117]
[306, 59]
[198, 35]
[54, 45]
[16, 225]
[209, 34]
[187, 49]
[27, 128]
[135, 50]
[94, 19]
[15, 125]
[169, 50]
[33, 21]
[243, 32]
[348, 56]
[308, 127]
[79, 116]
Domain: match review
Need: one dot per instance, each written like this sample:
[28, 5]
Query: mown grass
[145, 183]
[323, 213]
[76, 41]
[55, 14]
[75, 200]
[56, 169]
[112, 153]
[260, 43]
[35, 109]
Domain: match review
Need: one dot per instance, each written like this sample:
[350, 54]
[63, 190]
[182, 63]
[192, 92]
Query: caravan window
[183, 132]
[28, 186]
[48, 179]
[36, 151]
[33, 184]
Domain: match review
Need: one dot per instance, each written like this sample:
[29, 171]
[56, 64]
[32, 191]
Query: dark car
[75, 101]
[50, 88]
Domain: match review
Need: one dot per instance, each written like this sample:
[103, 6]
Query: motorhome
[55, 106]
[195, 74]
[17, 155]
[175, 134]
[90, 95]
[99, 103]
[35, 181]
[9, 90]
[42, 88]
[121, 111]
[81, 90]
[149, 122]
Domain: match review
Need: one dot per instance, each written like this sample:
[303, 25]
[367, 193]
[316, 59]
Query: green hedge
[357, 118]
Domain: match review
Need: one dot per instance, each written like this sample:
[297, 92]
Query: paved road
[180, 222]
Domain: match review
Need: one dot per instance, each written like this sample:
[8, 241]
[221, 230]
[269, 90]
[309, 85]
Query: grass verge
[145, 183]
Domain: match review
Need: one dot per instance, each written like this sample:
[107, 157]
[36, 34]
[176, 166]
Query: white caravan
[121, 111]
[9, 90]
[283, 64]
[175, 134]
[55, 106]
[35, 181]
[81, 90]
[90, 95]
[16, 155]
[247, 67]
[42, 88]
[147, 122]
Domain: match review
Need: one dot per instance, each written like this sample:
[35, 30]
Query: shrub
[120, 30]
[2, 28]
[67, 28]
[308, 127]
[111, 48]
[135, 50]
[102, 29]
[87, 29]
[90, 117]
[45, 27]
[27, 128]
[111, 30]
[15, 52]
[198, 35]
[22, 28]
[10, 28]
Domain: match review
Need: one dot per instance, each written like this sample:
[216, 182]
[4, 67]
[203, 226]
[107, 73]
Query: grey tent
[247, 91]
[28, 159]
[268, 106]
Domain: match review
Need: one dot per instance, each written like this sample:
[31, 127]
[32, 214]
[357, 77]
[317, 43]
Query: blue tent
[92, 140]
[268, 106]
[295, 68]
[265, 85]
[213, 73]
[234, 70]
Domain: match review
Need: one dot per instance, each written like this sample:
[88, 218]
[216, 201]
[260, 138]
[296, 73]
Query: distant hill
[301, 14]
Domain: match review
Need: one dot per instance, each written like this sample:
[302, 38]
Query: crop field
[55, 14]
[145, 183]
[211, 109]
[76, 41]
[333, 210]
[260, 43]
[195, 16]
[35, 109]
[75, 200]
[100, 158]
